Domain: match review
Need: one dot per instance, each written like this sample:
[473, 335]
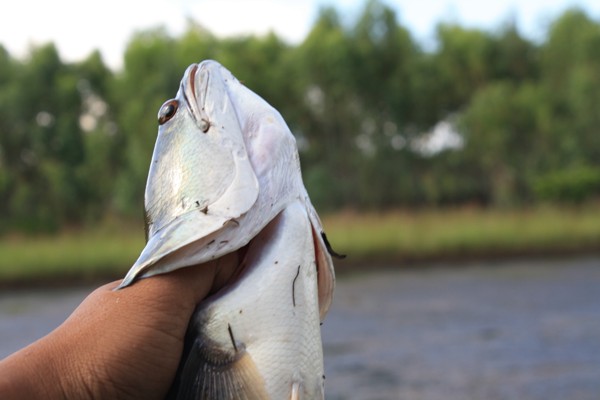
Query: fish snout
[204, 90]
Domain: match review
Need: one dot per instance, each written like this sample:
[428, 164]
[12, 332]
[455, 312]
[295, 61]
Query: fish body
[260, 338]
[225, 186]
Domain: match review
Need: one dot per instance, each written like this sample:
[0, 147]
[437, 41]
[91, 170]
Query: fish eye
[167, 111]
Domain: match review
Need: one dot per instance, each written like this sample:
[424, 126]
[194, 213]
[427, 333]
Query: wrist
[31, 373]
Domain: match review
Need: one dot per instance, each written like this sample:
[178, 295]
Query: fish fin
[325, 275]
[325, 271]
[207, 371]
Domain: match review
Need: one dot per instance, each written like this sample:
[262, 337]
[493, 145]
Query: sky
[77, 27]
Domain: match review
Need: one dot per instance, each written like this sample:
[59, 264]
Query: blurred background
[432, 134]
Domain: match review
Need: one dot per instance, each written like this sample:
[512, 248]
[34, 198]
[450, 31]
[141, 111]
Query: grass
[394, 237]
[464, 233]
[84, 255]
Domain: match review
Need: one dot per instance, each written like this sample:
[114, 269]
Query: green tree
[570, 65]
[150, 75]
[502, 130]
[463, 65]
[102, 141]
[327, 110]
[42, 142]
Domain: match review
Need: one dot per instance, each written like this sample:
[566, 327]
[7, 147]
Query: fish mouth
[199, 83]
[192, 98]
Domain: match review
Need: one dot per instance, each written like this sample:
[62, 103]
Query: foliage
[571, 185]
[364, 99]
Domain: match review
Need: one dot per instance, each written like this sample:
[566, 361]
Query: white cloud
[78, 27]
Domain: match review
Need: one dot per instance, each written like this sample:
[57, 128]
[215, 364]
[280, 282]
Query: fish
[225, 186]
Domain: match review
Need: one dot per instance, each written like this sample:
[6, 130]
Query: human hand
[123, 344]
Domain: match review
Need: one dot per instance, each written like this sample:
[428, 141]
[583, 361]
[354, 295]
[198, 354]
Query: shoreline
[348, 266]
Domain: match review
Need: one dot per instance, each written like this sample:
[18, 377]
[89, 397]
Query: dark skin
[123, 344]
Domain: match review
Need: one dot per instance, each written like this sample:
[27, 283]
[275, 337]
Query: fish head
[270, 144]
[200, 164]
[224, 165]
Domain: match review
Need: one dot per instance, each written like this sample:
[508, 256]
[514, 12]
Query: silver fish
[225, 185]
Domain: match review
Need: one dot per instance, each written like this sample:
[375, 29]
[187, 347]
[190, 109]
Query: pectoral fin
[213, 373]
[325, 271]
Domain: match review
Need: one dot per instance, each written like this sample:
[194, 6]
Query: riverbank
[466, 233]
[391, 238]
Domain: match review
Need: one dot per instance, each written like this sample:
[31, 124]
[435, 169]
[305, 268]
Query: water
[494, 331]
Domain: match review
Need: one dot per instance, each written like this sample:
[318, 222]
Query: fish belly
[260, 337]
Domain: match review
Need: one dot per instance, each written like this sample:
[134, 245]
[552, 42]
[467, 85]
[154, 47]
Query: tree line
[486, 117]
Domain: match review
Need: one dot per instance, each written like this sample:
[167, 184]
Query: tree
[151, 75]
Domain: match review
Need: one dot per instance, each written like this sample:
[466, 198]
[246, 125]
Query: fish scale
[283, 340]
